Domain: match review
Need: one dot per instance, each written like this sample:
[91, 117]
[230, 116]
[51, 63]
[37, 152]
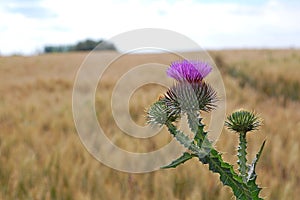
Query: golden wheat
[41, 156]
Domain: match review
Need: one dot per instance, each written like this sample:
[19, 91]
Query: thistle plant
[190, 95]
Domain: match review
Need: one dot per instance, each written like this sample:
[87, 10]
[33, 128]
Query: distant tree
[87, 45]
[61, 48]
[105, 45]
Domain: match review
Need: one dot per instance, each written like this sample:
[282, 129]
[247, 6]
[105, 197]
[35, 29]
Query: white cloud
[212, 25]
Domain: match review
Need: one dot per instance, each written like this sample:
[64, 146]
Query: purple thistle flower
[191, 71]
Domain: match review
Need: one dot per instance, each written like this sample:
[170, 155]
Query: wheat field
[42, 157]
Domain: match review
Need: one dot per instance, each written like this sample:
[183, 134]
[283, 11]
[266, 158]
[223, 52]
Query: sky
[26, 26]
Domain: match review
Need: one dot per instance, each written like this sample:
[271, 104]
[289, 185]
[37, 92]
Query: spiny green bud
[158, 114]
[191, 97]
[242, 121]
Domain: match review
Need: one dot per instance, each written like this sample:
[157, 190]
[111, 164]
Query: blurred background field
[41, 155]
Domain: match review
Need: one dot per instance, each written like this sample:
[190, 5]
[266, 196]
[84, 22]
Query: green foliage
[228, 176]
[241, 187]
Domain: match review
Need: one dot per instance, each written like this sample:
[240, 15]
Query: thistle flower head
[191, 71]
[242, 121]
[190, 97]
[158, 114]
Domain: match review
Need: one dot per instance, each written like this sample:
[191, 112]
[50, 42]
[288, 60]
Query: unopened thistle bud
[242, 121]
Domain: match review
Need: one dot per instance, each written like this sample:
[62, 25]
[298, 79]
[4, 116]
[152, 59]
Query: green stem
[193, 121]
[242, 160]
[198, 129]
[184, 140]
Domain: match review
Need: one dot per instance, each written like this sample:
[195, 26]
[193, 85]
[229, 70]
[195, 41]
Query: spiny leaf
[227, 175]
[251, 171]
[185, 156]
[254, 189]
[251, 179]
